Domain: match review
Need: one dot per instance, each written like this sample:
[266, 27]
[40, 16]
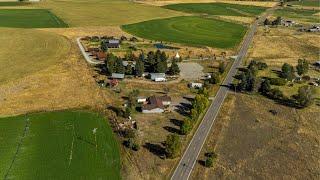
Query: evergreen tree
[172, 145]
[266, 22]
[110, 63]
[174, 68]
[186, 126]
[287, 71]
[103, 46]
[222, 67]
[265, 87]
[139, 67]
[119, 66]
[302, 67]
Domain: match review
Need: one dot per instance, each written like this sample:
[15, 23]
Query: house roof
[117, 75]
[101, 55]
[156, 102]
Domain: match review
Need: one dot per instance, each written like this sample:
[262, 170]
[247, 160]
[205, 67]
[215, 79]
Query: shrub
[186, 127]
[222, 67]
[275, 93]
[208, 162]
[278, 81]
[215, 78]
[173, 145]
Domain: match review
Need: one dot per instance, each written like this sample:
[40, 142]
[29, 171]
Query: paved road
[189, 158]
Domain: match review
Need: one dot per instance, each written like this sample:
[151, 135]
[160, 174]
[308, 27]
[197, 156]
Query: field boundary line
[25, 131]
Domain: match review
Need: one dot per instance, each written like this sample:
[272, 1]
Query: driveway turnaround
[190, 156]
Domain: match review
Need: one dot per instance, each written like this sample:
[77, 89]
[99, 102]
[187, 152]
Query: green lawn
[218, 9]
[311, 3]
[29, 18]
[58, 145]
[299, 14]
[190, 30]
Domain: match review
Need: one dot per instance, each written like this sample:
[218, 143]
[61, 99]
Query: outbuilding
[158, 77]
[196, 85]
[141, 99]
[117, 76]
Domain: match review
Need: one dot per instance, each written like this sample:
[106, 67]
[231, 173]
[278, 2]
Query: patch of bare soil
[254, 143]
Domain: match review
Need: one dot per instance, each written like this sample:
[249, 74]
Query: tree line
[249, 82]
[152, 62]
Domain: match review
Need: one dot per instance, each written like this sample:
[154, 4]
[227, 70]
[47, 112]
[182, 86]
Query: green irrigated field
[26, 51]
[58, 145]
[299, 14]
[190, 30]
[29, 18]
[311, 3]
[218, 9]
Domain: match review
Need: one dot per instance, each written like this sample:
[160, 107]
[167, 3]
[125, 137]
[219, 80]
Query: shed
[158, 77]
[141, 99]
[196, 85]
[117, 76]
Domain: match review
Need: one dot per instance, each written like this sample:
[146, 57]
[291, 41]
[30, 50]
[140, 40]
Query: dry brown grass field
[278, 45]
[103, 13]
[58, 82]
[28, 51]
[166, 2]
[252, 142]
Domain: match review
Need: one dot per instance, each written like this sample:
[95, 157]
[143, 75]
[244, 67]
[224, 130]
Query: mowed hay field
[23, 52]
[279, 45]
[58, 145]
[217, 9]
[190, 30]
[252, 142]
[29, 18]
[103, 13]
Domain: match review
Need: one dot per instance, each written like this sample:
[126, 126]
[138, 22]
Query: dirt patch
[191, 71]
[254, 143]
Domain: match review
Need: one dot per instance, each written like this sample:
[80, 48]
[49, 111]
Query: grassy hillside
[101, 13]
[58, 145]
[190, 30]
[25, 51]
[29, 18]
[218, 9]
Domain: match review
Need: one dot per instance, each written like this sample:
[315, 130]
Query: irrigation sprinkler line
[26, 127]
